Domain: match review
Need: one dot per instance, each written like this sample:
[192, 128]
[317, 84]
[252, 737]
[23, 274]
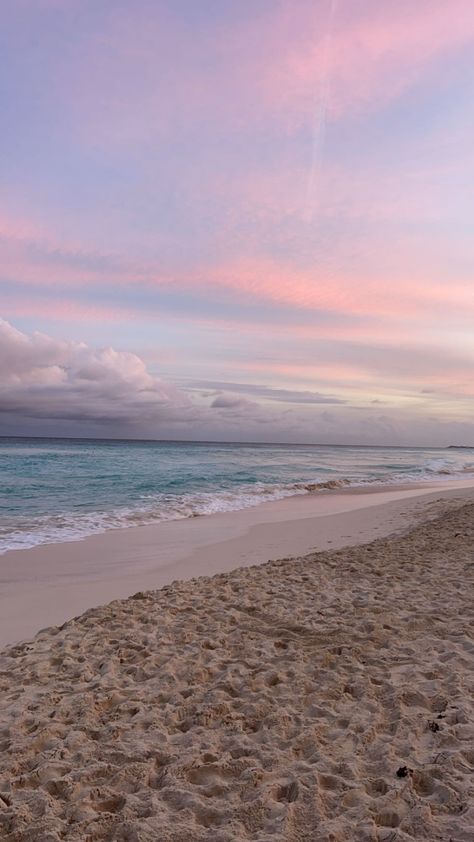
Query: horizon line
[247, 443]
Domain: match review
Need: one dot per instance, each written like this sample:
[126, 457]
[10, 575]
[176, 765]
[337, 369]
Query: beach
[236, 422]
[324, 697]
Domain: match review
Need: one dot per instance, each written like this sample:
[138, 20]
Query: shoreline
[49, 584]
[292, 490]
[315, 698]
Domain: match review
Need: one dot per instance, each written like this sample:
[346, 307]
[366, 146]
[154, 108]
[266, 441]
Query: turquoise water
[63, 489]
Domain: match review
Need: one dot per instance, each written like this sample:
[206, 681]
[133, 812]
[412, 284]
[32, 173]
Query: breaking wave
[127, 486]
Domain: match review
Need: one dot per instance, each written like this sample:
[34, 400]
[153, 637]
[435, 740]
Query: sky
[240, 220]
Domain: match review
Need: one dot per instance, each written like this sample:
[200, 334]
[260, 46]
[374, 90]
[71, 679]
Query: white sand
[50, 584]
[271, 703]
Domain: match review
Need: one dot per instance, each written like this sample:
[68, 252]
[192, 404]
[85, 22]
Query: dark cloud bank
[60, 388]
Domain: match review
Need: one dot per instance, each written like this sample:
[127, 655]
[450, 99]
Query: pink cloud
[394, 366]
[33, 253]
[377, 52]
[383, 296]
[62, 310]
[18, 228]
[391, 292]
[128, 85]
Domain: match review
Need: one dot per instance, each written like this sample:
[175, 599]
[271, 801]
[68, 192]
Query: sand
[324, 699]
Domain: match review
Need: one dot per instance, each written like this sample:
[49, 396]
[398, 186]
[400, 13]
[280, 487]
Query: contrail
[320, 114]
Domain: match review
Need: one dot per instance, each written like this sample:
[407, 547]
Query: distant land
[461, 447]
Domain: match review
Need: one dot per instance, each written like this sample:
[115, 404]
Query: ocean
[54, 490]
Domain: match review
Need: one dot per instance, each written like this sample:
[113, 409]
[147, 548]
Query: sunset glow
[238, 220]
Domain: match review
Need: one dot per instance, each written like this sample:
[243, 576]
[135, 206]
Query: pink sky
[274, 194]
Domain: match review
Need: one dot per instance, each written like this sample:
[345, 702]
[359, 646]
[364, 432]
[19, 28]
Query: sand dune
[327, 698]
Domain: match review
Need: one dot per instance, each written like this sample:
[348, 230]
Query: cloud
[54, 387]
[251, 289]
[265, 392]
[78, 390]
[239, 416]
[380, 50]
[45, 378]
[34, 256]
[129, 88]
[232, 402]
